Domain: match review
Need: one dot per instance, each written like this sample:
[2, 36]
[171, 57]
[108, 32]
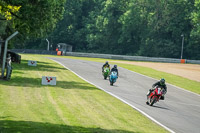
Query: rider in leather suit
[115, 69]
[161, 84]
[105, 65]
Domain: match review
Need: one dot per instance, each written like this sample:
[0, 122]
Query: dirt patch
[190, 71]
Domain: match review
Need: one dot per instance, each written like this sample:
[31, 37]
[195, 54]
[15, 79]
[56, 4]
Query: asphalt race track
[180, 111]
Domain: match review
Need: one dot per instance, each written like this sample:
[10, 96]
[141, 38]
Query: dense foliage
[129, 27]
[32, 18]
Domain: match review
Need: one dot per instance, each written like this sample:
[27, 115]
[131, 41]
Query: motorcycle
[106, 72]
[113, 77]
[154, 96]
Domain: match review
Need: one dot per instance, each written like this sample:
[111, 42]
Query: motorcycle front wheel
[111, 83]
[152, 101]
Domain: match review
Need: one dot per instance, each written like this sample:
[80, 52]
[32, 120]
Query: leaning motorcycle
[113, 77]
[154, 96]
[106, 72]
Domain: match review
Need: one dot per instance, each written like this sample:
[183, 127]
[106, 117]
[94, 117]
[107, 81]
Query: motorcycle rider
[115, 69]
[161, 84]
[105, 65]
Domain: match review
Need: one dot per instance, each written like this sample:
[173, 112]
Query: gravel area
[190, 71]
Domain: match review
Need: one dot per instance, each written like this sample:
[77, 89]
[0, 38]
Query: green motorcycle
[106, 72]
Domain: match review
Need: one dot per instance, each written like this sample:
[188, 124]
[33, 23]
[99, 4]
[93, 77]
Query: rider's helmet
[106, 62]
[162, 81]
[115, 66]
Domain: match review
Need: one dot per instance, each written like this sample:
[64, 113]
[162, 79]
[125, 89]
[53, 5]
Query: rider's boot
[162, 98]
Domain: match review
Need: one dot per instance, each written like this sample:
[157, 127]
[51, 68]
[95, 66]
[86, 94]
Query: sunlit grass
[72, 105]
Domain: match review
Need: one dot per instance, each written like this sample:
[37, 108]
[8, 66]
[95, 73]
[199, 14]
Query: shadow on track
[160, 107]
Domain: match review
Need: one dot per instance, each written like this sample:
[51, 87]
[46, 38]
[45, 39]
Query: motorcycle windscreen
[159, 90]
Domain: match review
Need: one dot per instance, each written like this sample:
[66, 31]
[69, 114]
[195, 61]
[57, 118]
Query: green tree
[193, 49]
[166, 21]
[72, 29]
[129, 27]
[104, 30]
[33, 19]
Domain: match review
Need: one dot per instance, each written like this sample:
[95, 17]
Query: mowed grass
[179, 81]
[72, 106]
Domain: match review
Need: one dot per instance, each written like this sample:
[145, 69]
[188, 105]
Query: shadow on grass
[41, 66]
[37, 82]
[9, 126]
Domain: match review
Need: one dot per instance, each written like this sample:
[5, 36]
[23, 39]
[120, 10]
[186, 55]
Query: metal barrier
[109, 56]
[132, 58]
[32, 51]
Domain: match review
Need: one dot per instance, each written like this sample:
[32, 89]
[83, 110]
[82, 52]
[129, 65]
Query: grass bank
[72, 105]
[179, 81]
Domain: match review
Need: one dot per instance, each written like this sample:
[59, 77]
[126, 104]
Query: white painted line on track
[119, 99]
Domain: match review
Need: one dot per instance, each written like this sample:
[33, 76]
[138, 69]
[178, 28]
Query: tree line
[155, 28]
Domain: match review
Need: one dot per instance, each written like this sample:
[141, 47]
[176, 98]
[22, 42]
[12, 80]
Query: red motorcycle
[154, 96]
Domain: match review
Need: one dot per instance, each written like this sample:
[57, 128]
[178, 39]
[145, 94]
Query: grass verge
[72, 105]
